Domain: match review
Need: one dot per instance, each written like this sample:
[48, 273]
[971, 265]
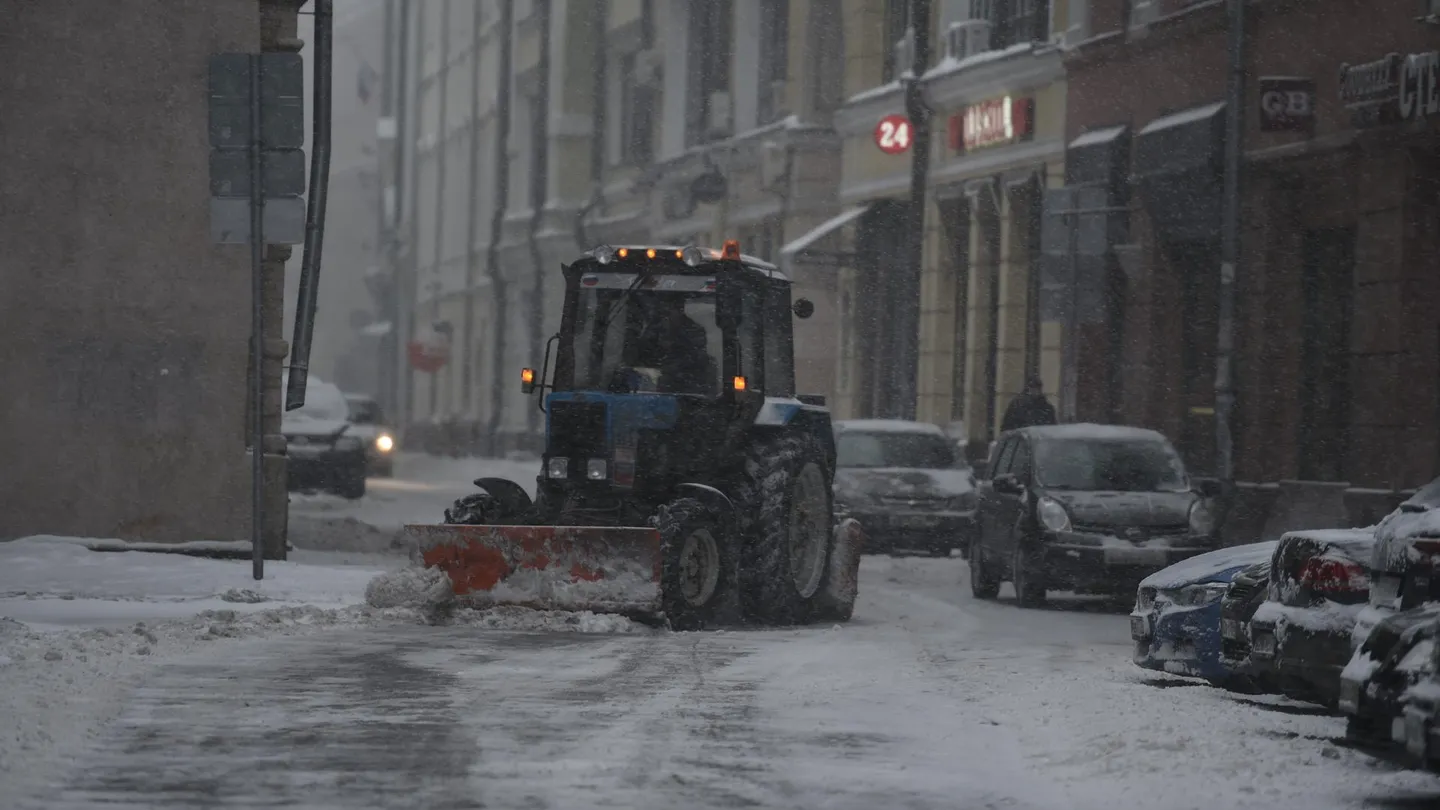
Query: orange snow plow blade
[598, 568]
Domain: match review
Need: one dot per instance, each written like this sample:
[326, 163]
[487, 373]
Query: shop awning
[824, 229]
[1094, 156]
[1186, 141]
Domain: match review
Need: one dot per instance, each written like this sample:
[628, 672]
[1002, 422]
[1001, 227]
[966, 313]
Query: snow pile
[521, 619]
[1328, 617]
[412, 587]
[342, 534]
[1211, 564]
[624, 583]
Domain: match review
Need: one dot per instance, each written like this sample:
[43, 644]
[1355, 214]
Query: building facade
[1339, 349]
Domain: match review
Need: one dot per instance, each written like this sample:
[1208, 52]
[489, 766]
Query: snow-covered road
[928, 699]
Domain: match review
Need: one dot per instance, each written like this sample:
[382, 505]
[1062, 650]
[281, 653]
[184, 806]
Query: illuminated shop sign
[994, 122]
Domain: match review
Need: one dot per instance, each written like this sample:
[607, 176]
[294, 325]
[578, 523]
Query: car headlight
[557, 467]
[385, 443]
[1197, 595]
[348, 444]
[596, 469]
[1052, 515]
[1202, 521]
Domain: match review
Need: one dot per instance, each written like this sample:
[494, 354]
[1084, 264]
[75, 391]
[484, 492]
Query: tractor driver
[678, 346]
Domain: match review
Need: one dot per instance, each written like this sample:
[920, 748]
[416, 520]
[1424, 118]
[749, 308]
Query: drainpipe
[539, 180]
[395, 307]
[1230, 251]
[498, 287]
[437, 285]
[384, 169]
[412, 258]
[599, 95]
[904, 391]
[472, 251]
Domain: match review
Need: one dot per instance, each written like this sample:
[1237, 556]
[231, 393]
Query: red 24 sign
[893, 134]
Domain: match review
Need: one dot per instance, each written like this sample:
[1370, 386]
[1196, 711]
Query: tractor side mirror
[527, 380]
[803, 308]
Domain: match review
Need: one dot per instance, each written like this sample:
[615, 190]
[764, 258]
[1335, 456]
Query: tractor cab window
[663, 338]
[779, 343]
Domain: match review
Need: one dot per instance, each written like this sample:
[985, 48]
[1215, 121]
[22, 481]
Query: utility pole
[1230, 249]
[441, 148]
[398, 322]
[385, 171]
[906, 370]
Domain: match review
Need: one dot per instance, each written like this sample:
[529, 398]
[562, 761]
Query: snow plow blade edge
[603, 569]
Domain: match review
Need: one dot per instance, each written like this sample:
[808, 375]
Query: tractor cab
[664, 357]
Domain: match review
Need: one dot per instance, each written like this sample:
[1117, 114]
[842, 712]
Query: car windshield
[1109, 465]
[660, 338]
[365, 412]
[894, 449]
[1427, 497]
[322, 401]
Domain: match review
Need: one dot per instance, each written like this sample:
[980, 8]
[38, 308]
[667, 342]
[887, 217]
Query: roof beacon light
[731, 250]
[624, 252]
[650, 254]
[604, 254]
[692, 256]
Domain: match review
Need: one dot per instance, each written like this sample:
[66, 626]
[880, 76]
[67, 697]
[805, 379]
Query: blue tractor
[683, 477]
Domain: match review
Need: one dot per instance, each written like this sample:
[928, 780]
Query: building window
[711, 37]
[774, 57]
[897, 36]
[1014, 22]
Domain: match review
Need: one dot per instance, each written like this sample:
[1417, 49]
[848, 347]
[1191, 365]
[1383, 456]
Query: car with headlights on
[1318, 586]
[906, 483]
[367, 421]
[323, 452]
[1176, 621]
[1085, 508]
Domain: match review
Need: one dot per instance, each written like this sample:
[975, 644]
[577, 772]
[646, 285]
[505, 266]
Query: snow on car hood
[1212, 566]
[305, 426]
[1395, 536]
[905, 481]
[1139, 509]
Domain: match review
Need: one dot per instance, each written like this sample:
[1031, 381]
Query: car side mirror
[803, 308]
[1007, 484]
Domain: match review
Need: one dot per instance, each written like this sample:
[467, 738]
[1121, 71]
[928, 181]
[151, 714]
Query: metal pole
[906, 371]
[308, 296]
[472, 230]
[1070, 351]
[384, 173]
[441, 148]
[397, 274]
[257, 331]
[499, 287]
[1230, 249]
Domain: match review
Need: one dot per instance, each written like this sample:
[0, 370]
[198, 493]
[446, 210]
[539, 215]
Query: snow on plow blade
[602, 569]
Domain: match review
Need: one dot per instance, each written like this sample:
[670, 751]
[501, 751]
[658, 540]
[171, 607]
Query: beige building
[997, 90]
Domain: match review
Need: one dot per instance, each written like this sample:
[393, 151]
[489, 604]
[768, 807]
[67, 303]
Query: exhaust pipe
[309, 294]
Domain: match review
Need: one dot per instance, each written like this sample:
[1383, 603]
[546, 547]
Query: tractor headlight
[596, 469]
[692, 256]
[604, 254]
[1052, 515]
[557, 467]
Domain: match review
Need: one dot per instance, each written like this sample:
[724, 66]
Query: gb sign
[893, 134]
[1287, 104]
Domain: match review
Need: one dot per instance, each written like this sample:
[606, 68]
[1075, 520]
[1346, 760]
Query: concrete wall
[124, 364]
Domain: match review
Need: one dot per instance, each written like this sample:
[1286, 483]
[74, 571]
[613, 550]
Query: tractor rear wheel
[696, 562]
[786, 497]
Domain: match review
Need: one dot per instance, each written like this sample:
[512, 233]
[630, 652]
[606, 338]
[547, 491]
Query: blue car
[1176, 620]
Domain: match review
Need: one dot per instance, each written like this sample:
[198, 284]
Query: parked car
[1245, 594]
[1397, 654]
[1405, 564]
[906, 483]
[1421, 716]
[323, 452]
[1318, 586]
[1088, 508]
[367, 421]
[1176, 620]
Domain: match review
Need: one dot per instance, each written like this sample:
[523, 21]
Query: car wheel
[352, 483]
[1029, 582]
[983, 584]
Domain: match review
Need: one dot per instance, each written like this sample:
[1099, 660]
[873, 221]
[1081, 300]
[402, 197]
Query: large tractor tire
[697, 564]
[785, 499]
[836, 600]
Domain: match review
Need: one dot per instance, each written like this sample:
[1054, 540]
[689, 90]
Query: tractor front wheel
[696, 563]
[787, 499]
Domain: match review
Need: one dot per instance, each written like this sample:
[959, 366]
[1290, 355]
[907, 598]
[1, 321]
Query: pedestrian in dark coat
[1029, 409]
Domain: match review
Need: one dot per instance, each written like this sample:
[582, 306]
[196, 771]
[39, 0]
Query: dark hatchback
[1087, 508]
[323, 451]
[906, 483]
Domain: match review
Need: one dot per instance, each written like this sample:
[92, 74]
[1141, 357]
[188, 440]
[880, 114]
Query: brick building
[1338, 364]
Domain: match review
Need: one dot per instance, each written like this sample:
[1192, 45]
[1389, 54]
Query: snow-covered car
[1420, 710]
[367, 421]
[1088, 508]
[1318, 586]
[1405, 562]
[1245, 594]
[1176, 620]
[907, 484]
[324, 453]
[1397, 654]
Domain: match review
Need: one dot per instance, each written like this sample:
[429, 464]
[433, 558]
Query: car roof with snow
[888, 426]
[1089, 430]
[1210, 566]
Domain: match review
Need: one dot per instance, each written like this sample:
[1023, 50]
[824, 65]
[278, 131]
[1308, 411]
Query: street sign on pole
[893, 134]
